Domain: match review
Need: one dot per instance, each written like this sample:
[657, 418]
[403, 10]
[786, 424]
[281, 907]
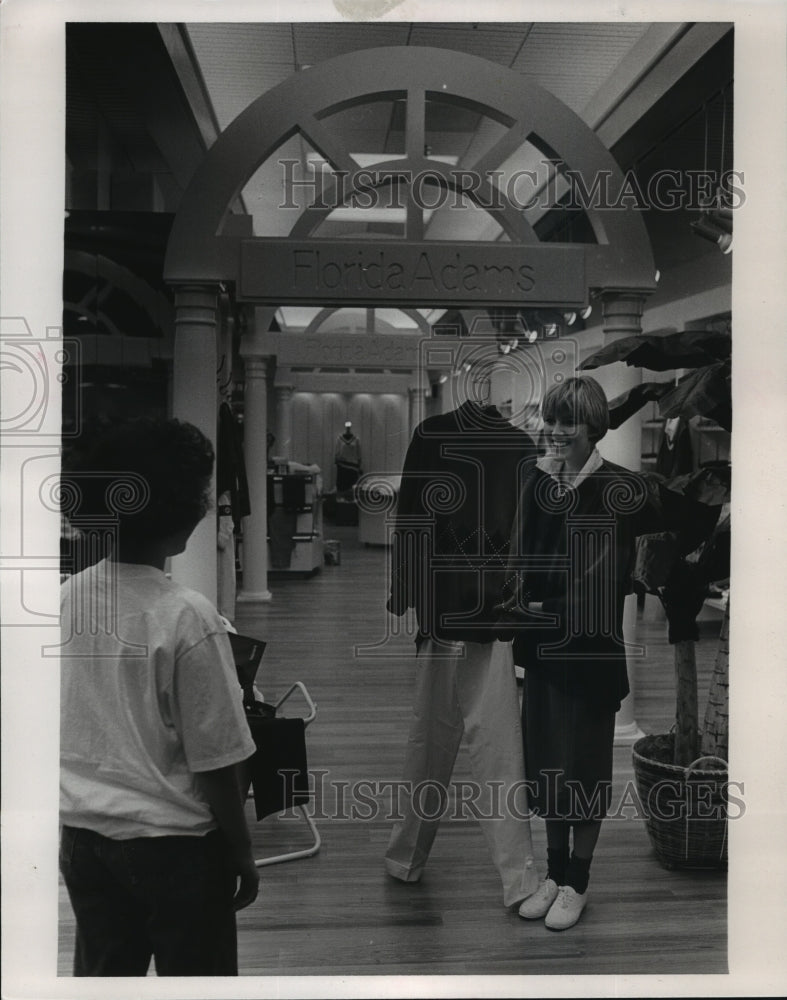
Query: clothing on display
[279, 772]
[456, 503]
[231, 465]
[466, 690]
[233, 491]
[457, 500]
[347, 456]
[675, 455]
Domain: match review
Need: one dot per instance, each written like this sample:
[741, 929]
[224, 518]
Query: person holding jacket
[572, 552]
[450, 548]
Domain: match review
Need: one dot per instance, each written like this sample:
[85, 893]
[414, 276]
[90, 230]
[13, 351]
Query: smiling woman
[576, 416]
[571, 551]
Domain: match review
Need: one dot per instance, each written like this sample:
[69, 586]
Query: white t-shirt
[149, 696]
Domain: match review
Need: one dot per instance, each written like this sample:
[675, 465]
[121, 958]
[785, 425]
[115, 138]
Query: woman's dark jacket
[573, 549]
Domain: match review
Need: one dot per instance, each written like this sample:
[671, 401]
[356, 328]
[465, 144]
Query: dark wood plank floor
[339, 914]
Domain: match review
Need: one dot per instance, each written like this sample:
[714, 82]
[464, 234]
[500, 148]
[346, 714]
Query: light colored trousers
[466, 689]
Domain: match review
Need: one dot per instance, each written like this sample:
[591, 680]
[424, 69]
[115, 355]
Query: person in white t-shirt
[155, 849]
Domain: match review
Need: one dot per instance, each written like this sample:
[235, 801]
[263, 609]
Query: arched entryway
[530, 138]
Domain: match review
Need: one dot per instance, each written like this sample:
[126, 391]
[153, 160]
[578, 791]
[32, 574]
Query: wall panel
[379, 421]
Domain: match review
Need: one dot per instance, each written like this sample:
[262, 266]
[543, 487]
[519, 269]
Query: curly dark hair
[149, 475]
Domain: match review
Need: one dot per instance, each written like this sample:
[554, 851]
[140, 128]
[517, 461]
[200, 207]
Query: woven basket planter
[685, 807]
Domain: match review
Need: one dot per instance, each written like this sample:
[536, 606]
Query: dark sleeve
[514, 584]
[404, 551]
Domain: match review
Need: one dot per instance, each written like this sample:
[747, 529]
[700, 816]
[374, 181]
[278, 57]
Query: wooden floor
[339, 914]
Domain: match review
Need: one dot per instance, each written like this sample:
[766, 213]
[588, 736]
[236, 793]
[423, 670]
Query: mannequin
[347, 456]
[465, 687]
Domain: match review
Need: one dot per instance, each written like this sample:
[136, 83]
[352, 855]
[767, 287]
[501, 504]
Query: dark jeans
[169, 897]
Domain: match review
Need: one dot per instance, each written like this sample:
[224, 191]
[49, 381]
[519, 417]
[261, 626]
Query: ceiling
[239, 62]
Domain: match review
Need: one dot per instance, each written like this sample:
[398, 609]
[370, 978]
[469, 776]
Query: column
[194, 399]
[283, 445]
[622, 317]
[255, 447]
[415, 398]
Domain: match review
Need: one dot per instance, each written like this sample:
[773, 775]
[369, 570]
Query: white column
[622, 317]
[283, 445]
[255, 448]
[194, 399]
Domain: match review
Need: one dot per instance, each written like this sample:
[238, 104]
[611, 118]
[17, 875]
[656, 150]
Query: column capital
[622, 311]
[255, 366]
[284, 391]
[196, 306]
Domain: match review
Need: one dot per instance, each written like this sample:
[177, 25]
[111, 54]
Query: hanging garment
[231, 465]
[457, 500]
[465, 690]
[279, 771]
[675, 455]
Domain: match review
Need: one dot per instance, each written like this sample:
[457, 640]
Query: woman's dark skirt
[568, 748]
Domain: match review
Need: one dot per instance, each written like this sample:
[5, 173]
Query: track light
[715, 225]
[585, 313]
[570, 318]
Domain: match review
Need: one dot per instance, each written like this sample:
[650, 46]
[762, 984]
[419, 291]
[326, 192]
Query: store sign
[345, 350]
[323, 272]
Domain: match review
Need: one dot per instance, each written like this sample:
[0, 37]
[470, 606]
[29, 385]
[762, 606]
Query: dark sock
[578, 873]
[557, 864]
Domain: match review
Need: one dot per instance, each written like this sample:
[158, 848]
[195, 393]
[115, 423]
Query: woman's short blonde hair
[578, 401]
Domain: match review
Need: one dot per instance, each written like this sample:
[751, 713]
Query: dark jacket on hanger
[675, 456]
[457, 498]
[230, 464]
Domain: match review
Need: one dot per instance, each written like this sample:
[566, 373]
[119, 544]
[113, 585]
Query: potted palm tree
[682, 776]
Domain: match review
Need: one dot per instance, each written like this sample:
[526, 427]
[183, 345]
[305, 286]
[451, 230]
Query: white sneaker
[538, 904]
[566, 909]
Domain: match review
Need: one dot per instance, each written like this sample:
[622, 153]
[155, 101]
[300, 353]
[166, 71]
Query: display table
[376, 502]
[295, 539]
